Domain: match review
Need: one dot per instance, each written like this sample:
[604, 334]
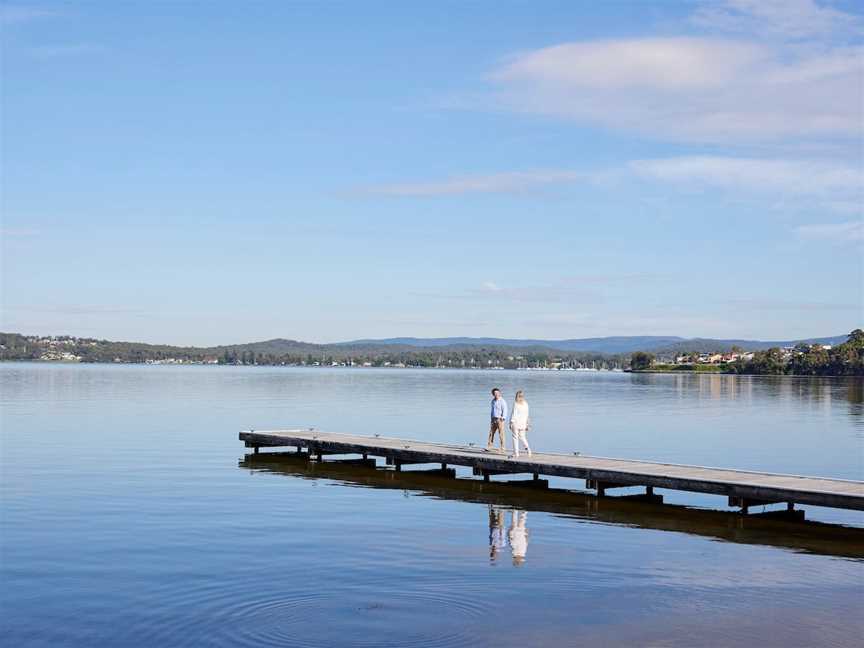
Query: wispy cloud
[851, 232]
[633, 323]
[789, 19]
[835, 186]
[581, 288]
[773, 304]
[505, 182]
[16, 232]
[63, 51]
[427, 322]
[80, 309]
[17, 14]
[762, 175]
[705, 89]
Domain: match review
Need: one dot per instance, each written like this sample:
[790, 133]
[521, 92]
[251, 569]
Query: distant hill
[453, 351]
[607, 345]
[702, 345]
[612, 344]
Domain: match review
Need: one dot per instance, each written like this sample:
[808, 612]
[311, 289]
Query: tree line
[845, 359]
[14, 346]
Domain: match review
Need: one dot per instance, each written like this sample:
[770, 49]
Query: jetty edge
[743, 488]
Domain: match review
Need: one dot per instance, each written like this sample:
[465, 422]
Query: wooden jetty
[743, 488]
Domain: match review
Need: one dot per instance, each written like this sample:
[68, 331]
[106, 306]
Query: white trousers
[519, 435]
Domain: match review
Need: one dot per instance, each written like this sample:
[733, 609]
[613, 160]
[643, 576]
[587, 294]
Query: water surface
[132, 516]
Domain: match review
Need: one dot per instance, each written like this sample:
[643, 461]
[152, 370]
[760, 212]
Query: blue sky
[198, 173]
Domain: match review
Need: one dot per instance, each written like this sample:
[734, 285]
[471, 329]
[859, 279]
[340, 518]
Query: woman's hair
[520, 395]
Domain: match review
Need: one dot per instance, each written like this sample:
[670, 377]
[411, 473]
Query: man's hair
[495, 389]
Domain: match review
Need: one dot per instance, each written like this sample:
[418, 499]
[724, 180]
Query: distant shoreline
[70, 363]
[676, 372]
[846, 358]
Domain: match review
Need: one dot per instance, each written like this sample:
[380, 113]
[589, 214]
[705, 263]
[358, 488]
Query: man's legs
[493, 426]
[501, 434]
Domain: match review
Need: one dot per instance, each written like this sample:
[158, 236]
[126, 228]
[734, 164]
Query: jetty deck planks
[744, 488]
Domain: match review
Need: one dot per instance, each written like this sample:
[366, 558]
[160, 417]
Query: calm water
[132, 517]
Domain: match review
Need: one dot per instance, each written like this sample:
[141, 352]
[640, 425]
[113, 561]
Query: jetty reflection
[518, 498]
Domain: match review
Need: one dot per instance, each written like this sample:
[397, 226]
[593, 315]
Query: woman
[519, 423]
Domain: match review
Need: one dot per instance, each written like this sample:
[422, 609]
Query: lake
[132, 516]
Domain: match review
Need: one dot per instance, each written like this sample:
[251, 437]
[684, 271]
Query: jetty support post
[486, 473]
[601, 486]
[744, 504]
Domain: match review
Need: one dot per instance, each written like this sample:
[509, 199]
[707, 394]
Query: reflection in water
[727, 387]
[855, 396]
[516, 536]
[501, 497]
[188, 550]
[496, 532]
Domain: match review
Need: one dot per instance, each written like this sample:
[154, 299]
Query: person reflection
[496, 532]
[518, 536]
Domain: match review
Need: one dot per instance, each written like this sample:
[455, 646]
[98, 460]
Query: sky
[223, 172]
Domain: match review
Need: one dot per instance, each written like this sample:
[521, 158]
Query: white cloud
[846, 206]
[512, 181]
[767, 70]
[694, 89]
[802, 185]
[792, 19]
[833, 186]
[669, 63]
[799, 177]
[852, 231]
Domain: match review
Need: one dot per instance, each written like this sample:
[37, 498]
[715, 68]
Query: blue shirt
[499, 408]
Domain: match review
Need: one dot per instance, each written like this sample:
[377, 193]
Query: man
[499, 417]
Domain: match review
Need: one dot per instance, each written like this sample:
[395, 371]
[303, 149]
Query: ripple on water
[408, 617]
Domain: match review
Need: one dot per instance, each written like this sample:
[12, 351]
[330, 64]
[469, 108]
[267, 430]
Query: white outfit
[519, 426]
[518, 535]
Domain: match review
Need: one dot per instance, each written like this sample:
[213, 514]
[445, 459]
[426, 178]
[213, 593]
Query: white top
[519, 419]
